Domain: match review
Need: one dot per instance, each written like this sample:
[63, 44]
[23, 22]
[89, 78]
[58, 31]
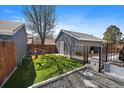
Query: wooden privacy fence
[114, 47]
[47, 48]
[110, 52]
[7, 59]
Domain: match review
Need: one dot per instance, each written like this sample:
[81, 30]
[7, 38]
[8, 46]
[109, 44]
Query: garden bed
[34, 70]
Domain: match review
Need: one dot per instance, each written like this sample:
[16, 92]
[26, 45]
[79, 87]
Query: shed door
[61, 47]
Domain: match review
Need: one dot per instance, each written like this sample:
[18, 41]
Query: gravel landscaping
[86, 78]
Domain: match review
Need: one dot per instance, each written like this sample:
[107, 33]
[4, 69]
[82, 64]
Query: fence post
[87, 53]
[106, 52]
[84, 55]
[100, 60]
[70, 51]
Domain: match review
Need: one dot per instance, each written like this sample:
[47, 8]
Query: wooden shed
[67, 39]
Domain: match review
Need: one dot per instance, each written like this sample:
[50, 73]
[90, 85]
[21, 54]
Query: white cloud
[9, 11]
[18, 19]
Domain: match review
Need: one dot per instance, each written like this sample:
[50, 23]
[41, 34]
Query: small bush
[79, 53]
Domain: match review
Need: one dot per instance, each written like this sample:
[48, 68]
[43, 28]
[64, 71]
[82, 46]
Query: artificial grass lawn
[36, 70]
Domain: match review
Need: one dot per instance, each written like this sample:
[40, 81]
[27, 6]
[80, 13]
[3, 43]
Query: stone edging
[55, 78]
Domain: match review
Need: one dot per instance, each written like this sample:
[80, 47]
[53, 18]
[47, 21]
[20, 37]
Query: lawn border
[8, 77]
[55, 78]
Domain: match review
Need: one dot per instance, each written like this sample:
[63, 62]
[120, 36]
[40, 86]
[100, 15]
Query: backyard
[36, 69]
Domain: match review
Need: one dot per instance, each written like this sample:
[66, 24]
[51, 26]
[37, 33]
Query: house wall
[20, 39]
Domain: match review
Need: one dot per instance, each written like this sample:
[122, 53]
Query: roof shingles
[83, 36]
[9, 25]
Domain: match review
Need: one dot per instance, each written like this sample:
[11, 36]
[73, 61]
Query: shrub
[79, 53]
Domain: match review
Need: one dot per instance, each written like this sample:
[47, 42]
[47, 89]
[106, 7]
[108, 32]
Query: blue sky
[87, 19]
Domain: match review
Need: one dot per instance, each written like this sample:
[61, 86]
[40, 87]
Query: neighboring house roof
[82, 36]
[38, 41]
[9, 27]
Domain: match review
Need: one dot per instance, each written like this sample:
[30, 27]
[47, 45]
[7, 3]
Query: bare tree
[41, 19]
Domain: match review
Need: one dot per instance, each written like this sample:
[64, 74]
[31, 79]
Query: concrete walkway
[86, 78]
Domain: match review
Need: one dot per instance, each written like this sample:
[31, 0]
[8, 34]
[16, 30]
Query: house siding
[87, 43]
[68, 42]
[20, 40]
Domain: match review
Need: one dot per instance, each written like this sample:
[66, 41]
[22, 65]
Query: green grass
[36, 70]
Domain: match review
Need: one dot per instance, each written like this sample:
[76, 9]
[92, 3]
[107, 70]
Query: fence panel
[78, 53]
[47, 48]
[88, 54]
[113, 52]
[1, 73]
[7, 59]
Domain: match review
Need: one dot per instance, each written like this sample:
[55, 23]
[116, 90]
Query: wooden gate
[7, 59]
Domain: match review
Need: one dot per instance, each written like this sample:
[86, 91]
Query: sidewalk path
[86, 79]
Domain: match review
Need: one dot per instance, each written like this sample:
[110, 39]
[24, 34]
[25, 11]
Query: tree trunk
[42, 45]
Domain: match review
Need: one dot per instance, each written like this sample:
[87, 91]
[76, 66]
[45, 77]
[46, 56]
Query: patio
[86, 79]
